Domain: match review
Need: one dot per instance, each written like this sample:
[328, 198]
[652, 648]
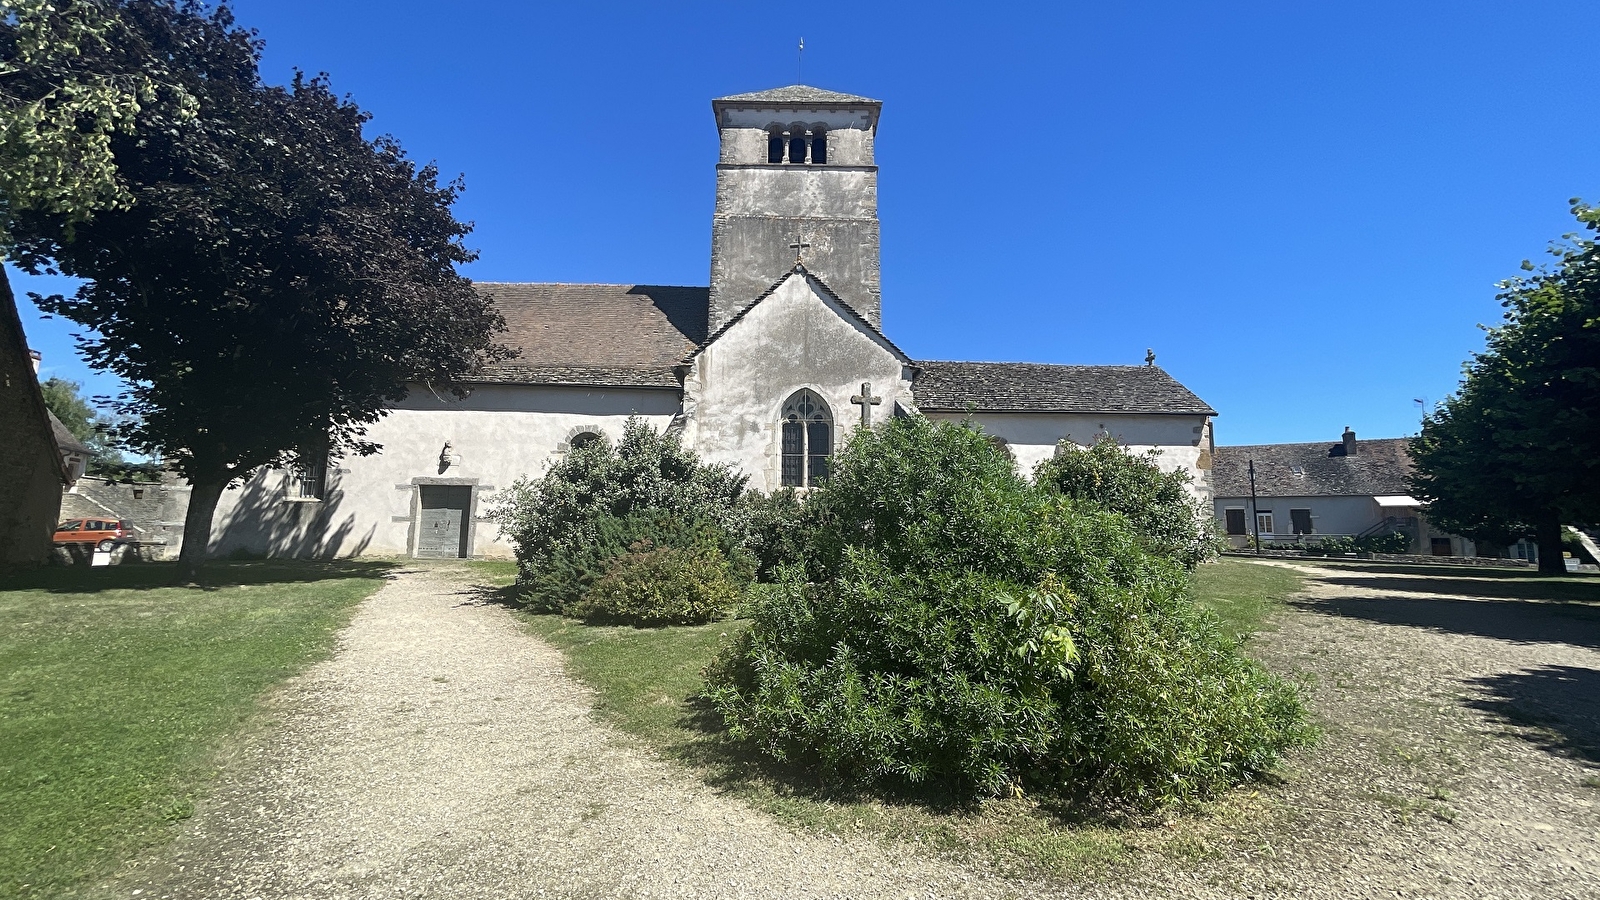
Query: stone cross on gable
[800, 246]
[866, 401]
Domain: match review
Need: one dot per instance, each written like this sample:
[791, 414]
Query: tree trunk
[1552, 560]
[197, 525]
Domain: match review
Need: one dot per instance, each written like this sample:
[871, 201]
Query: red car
[102, 533]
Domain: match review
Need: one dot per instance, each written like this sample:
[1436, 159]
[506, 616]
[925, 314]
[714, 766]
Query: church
[768, 368]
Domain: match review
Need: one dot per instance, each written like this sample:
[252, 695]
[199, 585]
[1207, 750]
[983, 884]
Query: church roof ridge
[797, 93]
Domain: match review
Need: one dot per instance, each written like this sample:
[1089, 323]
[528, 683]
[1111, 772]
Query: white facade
[1276, 517]
[369, 506]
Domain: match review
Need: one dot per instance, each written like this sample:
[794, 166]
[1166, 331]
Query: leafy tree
[1517, 448]
[58, 112]
[276, 279]
[1171, 521]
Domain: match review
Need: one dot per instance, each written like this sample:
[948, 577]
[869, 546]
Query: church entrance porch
[444, 519]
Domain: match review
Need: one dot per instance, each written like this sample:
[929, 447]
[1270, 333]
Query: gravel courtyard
[443, 752]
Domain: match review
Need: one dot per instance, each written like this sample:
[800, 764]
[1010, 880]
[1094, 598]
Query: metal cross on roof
[800, 246]
[866, 401]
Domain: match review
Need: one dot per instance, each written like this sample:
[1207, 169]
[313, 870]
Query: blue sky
[1303, 208]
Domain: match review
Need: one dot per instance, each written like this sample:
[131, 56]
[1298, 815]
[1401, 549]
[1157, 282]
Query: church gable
[796, 337]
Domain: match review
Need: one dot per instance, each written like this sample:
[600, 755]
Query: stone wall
[156, 513]
[31, 476]
[761, 208]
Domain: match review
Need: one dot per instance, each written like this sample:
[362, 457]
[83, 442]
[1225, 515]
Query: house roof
[1041, 387]
[800, 269]
[626, 335]
[65, 439]
[797, 94]
[1379, 467]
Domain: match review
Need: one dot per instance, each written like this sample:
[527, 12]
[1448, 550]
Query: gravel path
[443, 752]
[1460, 756]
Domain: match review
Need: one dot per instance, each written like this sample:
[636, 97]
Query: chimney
[1349, 442]
[37, 358]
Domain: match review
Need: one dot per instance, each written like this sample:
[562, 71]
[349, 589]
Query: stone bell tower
[796, 168]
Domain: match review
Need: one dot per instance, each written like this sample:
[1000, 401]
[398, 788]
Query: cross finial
[866, 401]
[1149, 356]
[800, 246]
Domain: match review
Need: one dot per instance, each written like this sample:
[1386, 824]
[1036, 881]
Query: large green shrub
[653, 585]
[604, 502]
[774, 529]
[959, 627]
[562, 581]
[1170, 519]
[645, 472]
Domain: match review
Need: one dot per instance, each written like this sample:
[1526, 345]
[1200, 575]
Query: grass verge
[116, 688]
[1243, 594]
[645, 681]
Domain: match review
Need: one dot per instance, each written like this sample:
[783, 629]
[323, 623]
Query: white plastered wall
[496, 435]
[797, 337]
[1184, 440]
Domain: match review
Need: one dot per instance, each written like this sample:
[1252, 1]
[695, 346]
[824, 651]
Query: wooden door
[443, 521]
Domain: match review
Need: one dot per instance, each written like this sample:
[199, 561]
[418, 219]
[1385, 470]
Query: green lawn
[116, 688]
[645, 681]
[1243, 594]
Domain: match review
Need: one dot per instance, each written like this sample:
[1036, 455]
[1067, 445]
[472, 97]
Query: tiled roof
[1039, 387]
[601, 334]
[1379, 467]
[796, 93]
[65, 439]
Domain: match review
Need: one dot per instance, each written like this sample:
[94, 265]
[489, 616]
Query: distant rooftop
[1377, 467]
[796, 93]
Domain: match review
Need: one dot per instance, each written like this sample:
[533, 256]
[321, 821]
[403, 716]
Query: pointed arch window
[807, 439]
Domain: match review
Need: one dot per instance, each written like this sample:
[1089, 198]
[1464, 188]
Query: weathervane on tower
[798, 57]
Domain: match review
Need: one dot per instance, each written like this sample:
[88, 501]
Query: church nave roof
[599, 334]
[1043, 387]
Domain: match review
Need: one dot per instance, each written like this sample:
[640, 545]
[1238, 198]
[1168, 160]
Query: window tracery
[807, 425]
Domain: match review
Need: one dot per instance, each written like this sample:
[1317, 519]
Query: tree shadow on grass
[1556, 707]
[215, 574]
[1526, 622]
[1441, 571]
[1533, 589]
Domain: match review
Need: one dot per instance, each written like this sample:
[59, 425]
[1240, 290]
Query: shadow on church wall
[262, 522]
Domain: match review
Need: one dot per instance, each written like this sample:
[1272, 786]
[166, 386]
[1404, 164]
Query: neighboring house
[74, 453]
[1307, 492]
[31, 474]
[768, 368]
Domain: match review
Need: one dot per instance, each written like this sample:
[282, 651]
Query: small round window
[583, 439]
